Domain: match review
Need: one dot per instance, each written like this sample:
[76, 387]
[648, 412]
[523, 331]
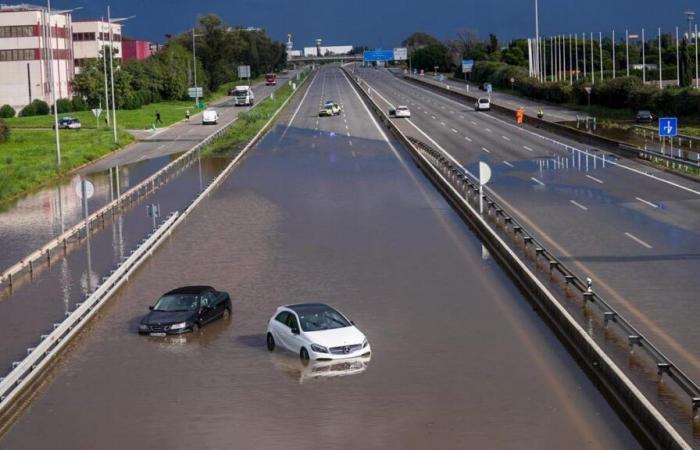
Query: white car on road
[483, 104]
[401, 111]
[210, 117]
[315, 331]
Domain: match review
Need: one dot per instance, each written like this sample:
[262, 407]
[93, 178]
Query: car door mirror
[295, 330]
[151, 307]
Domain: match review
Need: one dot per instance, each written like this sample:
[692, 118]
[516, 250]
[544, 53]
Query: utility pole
[571, 73]
[194, 64]
[104, 69]
[585, 63]
[600, 40]
[678, 61]
[576, 49]
[592, 61]
[53, 87]
[697, 75]
[627, 50]
[613, 53]
[537, 32]
[661, 84]
[644, 59]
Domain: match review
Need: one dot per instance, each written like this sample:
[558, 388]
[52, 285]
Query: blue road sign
[378, 55]
[668, 126]
[467, 65]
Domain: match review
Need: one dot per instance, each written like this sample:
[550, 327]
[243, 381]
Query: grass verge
[28, 158]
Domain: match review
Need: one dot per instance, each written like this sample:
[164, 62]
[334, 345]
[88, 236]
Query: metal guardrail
[145, 187]
[38, 358]
[454, 181]
[608, 314]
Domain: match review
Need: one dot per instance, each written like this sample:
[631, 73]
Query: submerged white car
[315, 331]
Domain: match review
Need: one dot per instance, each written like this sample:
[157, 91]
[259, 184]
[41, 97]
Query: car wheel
[195, 327]
[270, 342]
[304, 355]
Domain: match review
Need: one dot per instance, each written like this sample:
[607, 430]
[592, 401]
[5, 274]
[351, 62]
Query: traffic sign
[195, 92]
[378, 55]
[89, 188]
[97, 112]
[668, 126]
[400, 54]
[484, 172]
[467, 65]
[243, 71]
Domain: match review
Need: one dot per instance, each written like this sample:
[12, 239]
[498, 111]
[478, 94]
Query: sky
[385, 23]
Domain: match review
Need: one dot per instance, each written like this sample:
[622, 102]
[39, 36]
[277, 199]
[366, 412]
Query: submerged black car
[184, 310]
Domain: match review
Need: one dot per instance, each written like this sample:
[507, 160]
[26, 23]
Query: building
[328, 50]
[25, 75]
[91, 36]
[137, 50]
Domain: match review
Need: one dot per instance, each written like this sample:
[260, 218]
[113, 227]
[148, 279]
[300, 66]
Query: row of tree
[167, 75]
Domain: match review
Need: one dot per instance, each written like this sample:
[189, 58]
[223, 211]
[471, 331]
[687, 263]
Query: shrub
[7, 112]
[4, 131]
[41, 108]
[79, 104]
[29, 110]
[615, 93]
[64, 105]
[642, 97]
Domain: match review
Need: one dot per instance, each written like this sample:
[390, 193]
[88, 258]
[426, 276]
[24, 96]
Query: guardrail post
[662, 368]
[587, 297]
[696, 406]
[608, 316]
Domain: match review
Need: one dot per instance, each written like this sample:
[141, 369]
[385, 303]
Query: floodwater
[325, 212]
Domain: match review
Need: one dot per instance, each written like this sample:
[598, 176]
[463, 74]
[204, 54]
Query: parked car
[315, 331]
[184, 310]
[482, 104]
[644, 116]
[72, 123]
[210, 117]
[400, 111]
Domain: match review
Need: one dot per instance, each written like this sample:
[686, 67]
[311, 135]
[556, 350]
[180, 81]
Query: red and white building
[91, 36]
[137, 50]
[25, 75]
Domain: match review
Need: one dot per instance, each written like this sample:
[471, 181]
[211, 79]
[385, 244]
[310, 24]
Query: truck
[271, 79]
[243, 96]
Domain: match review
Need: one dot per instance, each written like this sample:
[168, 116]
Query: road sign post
[484, 177]
[244, 72]
[97, 112]
[668, 128]
[84, 189]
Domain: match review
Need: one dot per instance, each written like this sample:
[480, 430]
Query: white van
[210, 117]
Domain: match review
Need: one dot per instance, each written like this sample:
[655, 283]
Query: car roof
[301, 308]
[190, 290]
[402, 107]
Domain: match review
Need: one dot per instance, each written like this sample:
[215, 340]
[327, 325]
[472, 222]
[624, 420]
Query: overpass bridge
[327, 58]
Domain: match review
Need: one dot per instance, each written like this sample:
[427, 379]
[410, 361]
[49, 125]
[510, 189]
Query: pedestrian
[187, 115]
[158, 121]
[106, 121]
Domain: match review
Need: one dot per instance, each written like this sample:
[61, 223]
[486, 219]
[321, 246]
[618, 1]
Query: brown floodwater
[321, 212]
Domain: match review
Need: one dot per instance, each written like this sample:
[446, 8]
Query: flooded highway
[325, 209]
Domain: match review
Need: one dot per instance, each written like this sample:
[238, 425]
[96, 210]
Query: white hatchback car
[315, 331]
[402, 111]
[482, 104]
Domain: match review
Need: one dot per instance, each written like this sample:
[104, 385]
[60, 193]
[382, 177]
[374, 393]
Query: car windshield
[644, 113]
[483, 100]
[402, 108]
[176, 302]
[322, 319]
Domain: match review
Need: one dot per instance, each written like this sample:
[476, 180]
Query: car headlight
[365, 343]
[143, 327]
[178, 326]
[319, 348]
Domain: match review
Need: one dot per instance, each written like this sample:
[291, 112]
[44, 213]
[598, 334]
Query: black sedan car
[184, 310]
[644, 116]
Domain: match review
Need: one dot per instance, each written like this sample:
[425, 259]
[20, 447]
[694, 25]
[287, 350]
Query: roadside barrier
[496, 226]
[24, 373]
[58, 246]
[681, 165]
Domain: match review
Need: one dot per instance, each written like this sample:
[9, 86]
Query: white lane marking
[575, 203]
[594, 179]
[528, 148]
[537, 181]
[506, 138]
[637, 240]
[348, 134]
[434, 118]
[486, 149]
[473, 123]
[488, 129]
[299, 106]
[653, 205]
[461, 116]
[347, 127]
[350, 142]
[443, 124]
[468, 138]
[455, 131]
[508, 164]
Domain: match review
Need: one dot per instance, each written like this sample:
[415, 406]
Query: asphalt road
[634, 230]
[325, 209]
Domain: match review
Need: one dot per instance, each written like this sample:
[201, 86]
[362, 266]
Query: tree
[428, 57]
[685, 68]
[493, 44]
[419, 40]
[7, 112]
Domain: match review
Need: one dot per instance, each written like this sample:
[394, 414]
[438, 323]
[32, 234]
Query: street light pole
[537, 32]
[627, 50]
[592, 61]
[104, 69]
[697, 78]
[576, 50]
[53, 87]
[613, 52]
[571, 74]
[661, 84]
[644, 58]
[600, 41]
[678, 61]
[111, 73]
[194, 65]
[585, 63]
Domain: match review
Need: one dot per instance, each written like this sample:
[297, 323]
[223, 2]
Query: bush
[7, 112]
[79, 104]
[64, 105]
[4, 131]
[615, 93]
[29, 110]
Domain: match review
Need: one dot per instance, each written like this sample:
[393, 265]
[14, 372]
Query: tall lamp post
[194, 65]
[111, 21]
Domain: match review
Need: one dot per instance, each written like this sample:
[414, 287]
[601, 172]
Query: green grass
[249, 123]
[28, 158]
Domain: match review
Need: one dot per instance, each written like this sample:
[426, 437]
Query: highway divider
[58, 246]
[496, 228]
[678, 165]
[25, 373]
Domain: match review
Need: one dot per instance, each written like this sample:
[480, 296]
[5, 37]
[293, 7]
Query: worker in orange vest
[520, 115]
